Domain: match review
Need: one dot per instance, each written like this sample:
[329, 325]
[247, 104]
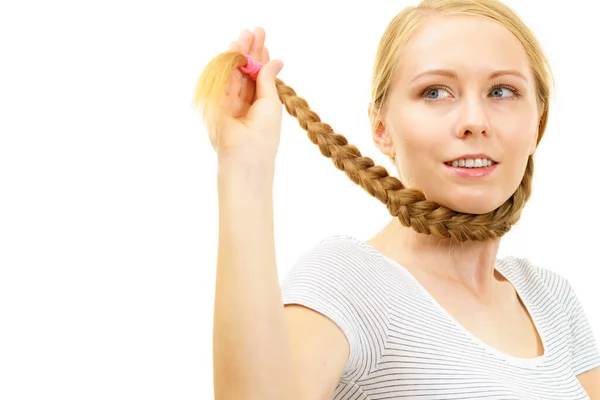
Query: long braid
[409, 205]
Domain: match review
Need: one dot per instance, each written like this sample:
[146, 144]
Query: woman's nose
[473, 118]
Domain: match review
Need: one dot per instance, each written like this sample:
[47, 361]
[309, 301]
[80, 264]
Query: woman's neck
[468, 264]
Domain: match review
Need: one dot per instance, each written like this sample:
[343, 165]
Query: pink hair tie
[252, 68]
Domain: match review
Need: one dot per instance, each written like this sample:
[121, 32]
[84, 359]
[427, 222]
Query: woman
[424, 309]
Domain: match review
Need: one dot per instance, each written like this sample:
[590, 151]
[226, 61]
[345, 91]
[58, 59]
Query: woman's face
[462, 117]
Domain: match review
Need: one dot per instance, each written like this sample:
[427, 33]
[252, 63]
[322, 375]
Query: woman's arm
[260, 350]
[252, 354]
[590, 380]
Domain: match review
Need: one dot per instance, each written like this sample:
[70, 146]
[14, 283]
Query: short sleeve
[584, 349]
[341, 280]
[585, 354]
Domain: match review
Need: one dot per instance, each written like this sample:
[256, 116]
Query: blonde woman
[425, 309]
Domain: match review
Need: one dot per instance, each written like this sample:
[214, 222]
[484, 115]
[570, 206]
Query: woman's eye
[439, 93]
[436, 94]
[502, 92]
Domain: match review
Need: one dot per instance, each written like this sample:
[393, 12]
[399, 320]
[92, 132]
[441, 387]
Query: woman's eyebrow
[453, 75]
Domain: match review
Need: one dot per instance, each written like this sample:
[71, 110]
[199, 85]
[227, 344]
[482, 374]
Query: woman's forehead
[466, 45]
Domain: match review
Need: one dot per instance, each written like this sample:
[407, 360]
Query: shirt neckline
[502, 265]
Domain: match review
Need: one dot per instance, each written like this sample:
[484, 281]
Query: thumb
[265, 82]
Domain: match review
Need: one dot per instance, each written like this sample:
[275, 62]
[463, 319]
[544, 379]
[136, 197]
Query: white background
[108, 214]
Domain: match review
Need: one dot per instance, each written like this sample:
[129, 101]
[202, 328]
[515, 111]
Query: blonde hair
[409, 205]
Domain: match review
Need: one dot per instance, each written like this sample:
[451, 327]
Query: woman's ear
[534, 144]
[380, 133]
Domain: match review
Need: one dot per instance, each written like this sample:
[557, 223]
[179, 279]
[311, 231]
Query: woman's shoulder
[341, 248]
[341, 239]
[340, 251]
[536, 277]
[343, 261]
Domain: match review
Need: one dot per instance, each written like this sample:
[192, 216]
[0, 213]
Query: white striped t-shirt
[404, 345]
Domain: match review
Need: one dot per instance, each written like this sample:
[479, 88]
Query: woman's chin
[473, 209]
[472, 205]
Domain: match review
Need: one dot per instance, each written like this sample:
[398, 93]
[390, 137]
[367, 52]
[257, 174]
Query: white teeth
[472, 163]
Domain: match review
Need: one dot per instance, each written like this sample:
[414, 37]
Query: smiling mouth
[471, 163]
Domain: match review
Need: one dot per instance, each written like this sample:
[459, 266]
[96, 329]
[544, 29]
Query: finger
[245, 41]
[235, 84]
[239, 108]
[265, 58]
[248, 89]
[257, 43]
[234, 46]
[265, 85]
